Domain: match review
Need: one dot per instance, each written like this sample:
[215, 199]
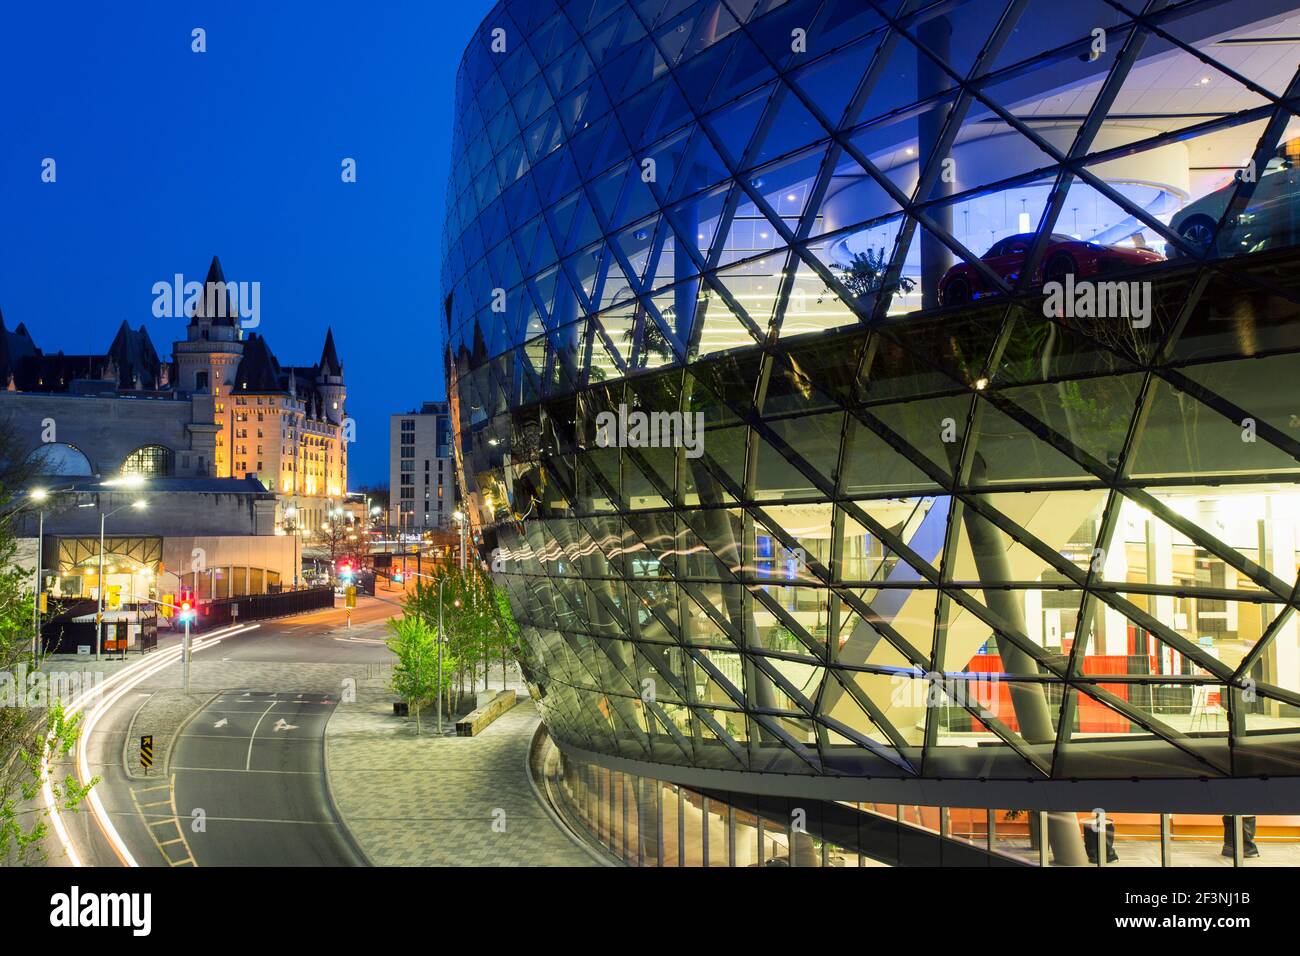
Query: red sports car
[1063, 255]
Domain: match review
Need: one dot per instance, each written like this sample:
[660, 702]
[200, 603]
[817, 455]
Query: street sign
[350, 596]
[234, 611]
[146, 752]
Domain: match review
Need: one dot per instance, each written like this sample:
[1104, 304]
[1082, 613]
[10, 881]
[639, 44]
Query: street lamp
[460, 520]
[40, 496]
[138, 505]
[291, 516]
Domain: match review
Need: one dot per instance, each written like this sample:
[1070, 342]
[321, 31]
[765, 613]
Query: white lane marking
[253, 737]
[304, 773]
[98, 700]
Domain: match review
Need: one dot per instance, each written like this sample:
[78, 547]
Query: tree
[476, 619]
[416, 677]
[507, 629]
[34, 734]
[864, 274]
[341, 537]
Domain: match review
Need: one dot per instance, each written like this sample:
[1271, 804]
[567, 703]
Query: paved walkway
[440, 801]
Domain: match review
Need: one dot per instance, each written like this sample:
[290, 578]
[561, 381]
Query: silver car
[1272, 218]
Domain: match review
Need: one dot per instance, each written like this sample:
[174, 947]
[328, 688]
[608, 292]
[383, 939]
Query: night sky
[166, 157]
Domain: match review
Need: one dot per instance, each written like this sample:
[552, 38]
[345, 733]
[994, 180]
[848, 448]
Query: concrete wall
[270, 552]
[168, 513]
[107, 429]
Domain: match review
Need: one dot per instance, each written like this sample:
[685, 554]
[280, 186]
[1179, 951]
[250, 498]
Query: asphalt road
[251, 761]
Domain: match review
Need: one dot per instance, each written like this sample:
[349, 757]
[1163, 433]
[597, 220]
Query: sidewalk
[440, 801]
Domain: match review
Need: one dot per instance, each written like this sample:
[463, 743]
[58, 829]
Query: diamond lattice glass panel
[998, 465]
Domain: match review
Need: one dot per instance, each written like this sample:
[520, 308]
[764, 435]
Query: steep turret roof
[329, 359]
[258, 370]
[223, 310]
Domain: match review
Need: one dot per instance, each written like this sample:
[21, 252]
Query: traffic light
[186, 603]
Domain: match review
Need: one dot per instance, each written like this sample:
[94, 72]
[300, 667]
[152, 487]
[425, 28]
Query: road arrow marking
[221, 723]
[281, 725]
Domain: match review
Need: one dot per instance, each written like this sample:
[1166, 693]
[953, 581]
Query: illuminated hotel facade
[988, 312]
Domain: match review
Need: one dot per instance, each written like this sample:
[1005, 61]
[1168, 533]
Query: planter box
[474, 722]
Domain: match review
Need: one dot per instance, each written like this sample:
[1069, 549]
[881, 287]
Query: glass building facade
[881, 399]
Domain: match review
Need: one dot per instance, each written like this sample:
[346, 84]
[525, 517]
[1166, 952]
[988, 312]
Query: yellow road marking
[173, 820]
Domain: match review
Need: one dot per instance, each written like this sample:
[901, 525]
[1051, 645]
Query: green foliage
[23, 815]
[865, 272]
[477, 622]
[416, 677]
[32, 739]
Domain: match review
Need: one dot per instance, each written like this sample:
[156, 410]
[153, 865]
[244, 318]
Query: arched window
[59, 458]
[156, 461]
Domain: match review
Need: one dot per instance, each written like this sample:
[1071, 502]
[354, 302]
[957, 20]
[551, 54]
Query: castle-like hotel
[238, 412]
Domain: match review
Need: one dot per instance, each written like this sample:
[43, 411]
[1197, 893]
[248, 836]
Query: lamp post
[291, 515]
[40, 496]
[441, 582]
[442, 579]
[460, 520]
[129, 481]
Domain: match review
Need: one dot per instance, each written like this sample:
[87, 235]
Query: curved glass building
[889, 401]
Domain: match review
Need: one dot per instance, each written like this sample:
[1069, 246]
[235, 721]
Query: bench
[474, 722]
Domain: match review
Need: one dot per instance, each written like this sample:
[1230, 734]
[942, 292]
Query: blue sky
[166, 157]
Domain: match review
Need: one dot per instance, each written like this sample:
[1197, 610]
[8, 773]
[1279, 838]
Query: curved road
[256, 760]
[246, 783]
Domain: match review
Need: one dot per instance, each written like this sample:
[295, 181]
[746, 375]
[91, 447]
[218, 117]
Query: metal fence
[258, 607]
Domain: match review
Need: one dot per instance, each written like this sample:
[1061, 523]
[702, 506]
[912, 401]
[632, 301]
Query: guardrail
[259, 607]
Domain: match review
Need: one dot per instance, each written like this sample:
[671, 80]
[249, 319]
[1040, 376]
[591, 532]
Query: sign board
[83, 650]
[146, 752]
[166, 607]
[118, 641]
[114, 596]
[234, 610]
[350, 596]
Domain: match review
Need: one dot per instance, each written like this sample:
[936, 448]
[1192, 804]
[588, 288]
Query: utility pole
[441, 581]
[185, 655]
[36, 590]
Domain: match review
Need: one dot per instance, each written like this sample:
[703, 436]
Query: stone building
[224, 407]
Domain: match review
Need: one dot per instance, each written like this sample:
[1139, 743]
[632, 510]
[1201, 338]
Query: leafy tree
[416, 677]
[506, 629]
[32, 738]
[476, 618]
[864, 274]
